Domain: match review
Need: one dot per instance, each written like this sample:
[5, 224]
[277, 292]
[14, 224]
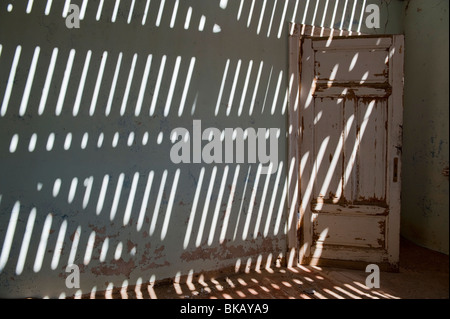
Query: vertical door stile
[306, 142]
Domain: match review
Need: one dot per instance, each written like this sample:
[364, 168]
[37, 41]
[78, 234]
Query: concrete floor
[423, 274]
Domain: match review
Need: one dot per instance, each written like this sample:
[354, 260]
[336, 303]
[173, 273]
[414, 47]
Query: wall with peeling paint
[425, 130]
[85, 174]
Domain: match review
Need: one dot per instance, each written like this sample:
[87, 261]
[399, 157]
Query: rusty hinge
[395, 177]
[445, 171]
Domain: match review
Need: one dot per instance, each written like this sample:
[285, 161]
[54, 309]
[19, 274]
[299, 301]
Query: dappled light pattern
[302, 282]
[85, 122]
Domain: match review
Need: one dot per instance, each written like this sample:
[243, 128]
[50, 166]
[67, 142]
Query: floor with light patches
[423, 274]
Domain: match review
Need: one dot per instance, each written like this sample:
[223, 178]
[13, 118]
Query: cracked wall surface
[425, 131]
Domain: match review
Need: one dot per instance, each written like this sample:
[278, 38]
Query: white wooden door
[349, 150]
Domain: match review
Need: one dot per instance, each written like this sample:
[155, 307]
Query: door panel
[361, 230]
[350, 124]
[328, 122]
[371, 161]
[372, 69]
